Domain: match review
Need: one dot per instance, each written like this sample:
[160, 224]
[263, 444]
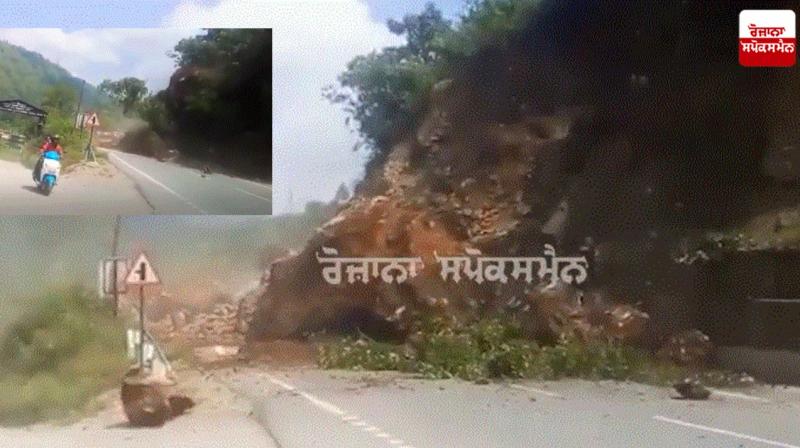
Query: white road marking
[333, 409]
[254, 195]
[738, 395]
[258, 184]
[723, 432]
[153, 180]
[535, 390]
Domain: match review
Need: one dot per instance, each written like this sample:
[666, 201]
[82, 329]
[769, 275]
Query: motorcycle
[48, 175]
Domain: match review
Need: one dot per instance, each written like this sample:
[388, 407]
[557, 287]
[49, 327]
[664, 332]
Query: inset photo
[135, 121]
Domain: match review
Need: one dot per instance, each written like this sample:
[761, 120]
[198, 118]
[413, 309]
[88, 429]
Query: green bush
[494, 348]
[360, 354]
[58, 357]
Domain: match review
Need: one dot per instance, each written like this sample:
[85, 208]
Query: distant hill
[26, 75]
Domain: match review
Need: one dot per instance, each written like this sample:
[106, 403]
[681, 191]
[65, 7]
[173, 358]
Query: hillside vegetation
[27, 75]
[59, 356]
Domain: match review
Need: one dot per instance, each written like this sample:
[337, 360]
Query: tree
[60, 99]
[128, 92]
[154, 112]
[385, 91]
[219, 101]
[421, 30]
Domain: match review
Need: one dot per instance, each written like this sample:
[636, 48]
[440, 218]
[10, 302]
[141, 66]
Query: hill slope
[26, 75]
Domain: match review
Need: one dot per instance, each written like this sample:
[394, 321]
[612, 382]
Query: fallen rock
[692, 389]
[689, 347]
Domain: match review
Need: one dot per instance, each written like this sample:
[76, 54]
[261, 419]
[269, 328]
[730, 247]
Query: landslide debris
[554, 130]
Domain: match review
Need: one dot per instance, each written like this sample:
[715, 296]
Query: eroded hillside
[643, 147]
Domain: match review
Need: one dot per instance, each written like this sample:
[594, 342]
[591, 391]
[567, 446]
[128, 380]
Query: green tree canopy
[218, 105]
[421, 31]
[384, 91]
[128, 92]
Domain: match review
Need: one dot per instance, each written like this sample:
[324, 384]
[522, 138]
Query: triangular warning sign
[92, 120]
[142, 272]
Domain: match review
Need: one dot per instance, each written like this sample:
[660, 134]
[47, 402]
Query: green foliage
[69, 138]
[386, 92]
[360, 354]
[58, 357]
[153, 110]
[421, 31]
[128, 92]
[218, 106]
[26, 75]
[60, 99]
[492, 348]
[485, 23]
[17, 124]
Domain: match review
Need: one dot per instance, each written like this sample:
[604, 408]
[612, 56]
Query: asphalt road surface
[80, 193]
[345, 409]
[132, 185]
[173, 189]
[308, 408]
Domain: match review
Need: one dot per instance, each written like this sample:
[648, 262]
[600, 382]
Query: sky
[313, 41]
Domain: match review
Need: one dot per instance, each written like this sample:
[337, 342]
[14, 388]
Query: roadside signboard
[93, 120]
[87, 119]
[142, 273]
[113, 272]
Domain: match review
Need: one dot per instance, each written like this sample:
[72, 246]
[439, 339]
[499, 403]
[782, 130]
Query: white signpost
[113, 272]
[141, 274]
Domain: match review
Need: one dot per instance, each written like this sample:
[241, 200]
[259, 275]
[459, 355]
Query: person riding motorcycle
[50, 144]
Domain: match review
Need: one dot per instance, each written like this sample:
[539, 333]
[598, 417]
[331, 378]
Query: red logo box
[767, 38]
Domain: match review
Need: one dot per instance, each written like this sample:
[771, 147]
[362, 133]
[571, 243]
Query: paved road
[132, 185]
[309, 408]
[173, 189]
[319, 409]
[79, 193]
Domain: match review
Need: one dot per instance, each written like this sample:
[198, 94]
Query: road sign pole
[89, 150]
[141, 328]
[114, 249]
[141, 274]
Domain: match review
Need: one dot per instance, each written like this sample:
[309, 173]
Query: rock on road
[220, 420]
[309, 408]
[312, 408]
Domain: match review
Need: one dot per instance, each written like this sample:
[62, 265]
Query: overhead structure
[22, 108]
